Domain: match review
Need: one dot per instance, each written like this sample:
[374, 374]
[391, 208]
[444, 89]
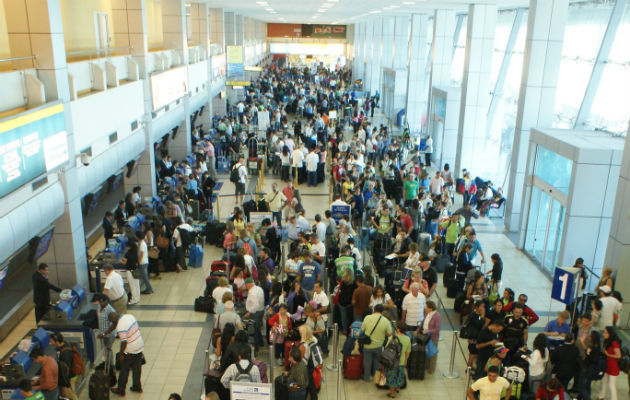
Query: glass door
[544, 228]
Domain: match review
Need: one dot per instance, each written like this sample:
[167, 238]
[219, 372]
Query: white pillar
[442, 49]
[369, 47]
[375, 62]
[471, 134]
[401, 61]
[416, 93]
[543, 50]
[387, 52]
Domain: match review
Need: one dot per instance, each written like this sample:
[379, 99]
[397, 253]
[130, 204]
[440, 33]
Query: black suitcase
[449, 276]
[102, 380]
[249, 206]
[442, 262]
[416, 362]
[204, 304]
[214, 232]
[452, 291]
[263, 206]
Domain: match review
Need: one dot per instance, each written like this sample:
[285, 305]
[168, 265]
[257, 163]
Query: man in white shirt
[490, 387]
[436, 183]
[242, 179]
[276, 201]
[143, 263]
[321, 298]
[413, 308]
[428, 150]
[320, 228]
[114, 289]
[297, 160]
[610, 307]
[255, 307]
[318, 249]
[130, 356]
[179, 244]
[312, 159]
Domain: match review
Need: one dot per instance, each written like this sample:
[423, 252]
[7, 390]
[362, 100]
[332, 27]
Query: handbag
[161, 242]
[136, 273]
[431, 349]
[377, 377]
[154, 253]
[366, 339]
[317, 377]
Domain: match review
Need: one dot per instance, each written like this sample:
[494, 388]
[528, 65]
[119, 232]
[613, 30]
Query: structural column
[229, 23]
[475, 98]
[618, 249]
[369, 44]
[359, 51]
[35, 28]
[400, 61]
[416, 93]
[387, 49]
[130, 29]
[375, 62]
[216, 27]
[541, 61]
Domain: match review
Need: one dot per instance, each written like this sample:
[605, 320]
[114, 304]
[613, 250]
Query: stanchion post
[333, 365]
[452, 374]
[218, 208]
[468, 379]
[270, 366]
[339, 380]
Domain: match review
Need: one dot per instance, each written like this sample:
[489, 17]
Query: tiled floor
[176, 336]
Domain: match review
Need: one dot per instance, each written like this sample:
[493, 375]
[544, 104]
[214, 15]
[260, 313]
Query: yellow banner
[237, 83]
[253, 68]
[33, 116]
[234, 54]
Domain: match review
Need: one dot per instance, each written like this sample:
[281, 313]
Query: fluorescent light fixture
[332, 1]
[321, 10]
[392, 7]
[409, 3]
[262, 3]
[375, 12]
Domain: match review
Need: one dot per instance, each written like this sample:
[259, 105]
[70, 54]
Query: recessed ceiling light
[332, 1]
[269, 9]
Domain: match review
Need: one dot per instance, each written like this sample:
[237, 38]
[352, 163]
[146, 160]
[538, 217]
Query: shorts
[240, 188]
[472, 348]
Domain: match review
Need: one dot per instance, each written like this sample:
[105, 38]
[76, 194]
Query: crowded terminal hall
[322, 200]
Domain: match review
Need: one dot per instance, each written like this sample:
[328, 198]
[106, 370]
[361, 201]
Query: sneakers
[137, 390]
[118, 392]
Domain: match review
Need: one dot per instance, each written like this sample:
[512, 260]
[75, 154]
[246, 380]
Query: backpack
[624, 361]
[243, 375]
[316, 355]
[235, 177]
[78, 365]
[595, 372]
[186, 237]
[515, 374]
[248, 248]
[390, 356]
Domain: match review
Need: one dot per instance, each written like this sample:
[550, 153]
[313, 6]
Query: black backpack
[186, 237]
[234, 175]
[595, 372]
[390, 357]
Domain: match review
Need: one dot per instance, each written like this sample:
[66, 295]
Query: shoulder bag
[366, 339]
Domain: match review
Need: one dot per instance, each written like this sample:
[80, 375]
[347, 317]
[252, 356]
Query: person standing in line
[428, 150]
[277, 201]
[413, 306]
[130, 260]
[48, 375]
[377, 328]
[612, 351]
[312, 160]
[255, 307]
[41, 291]
[490, 387]
[241, 183]
[108, 227]
[211, 156]
[114, 289]
[143, 263]
[131, 355]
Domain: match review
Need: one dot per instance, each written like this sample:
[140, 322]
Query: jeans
[277, 215]
[343, 310]
[584, 386]
[285, 173]
[144, 278]
[311, 178]
[258, 338]
[370, 362]
[51, 394]
[133, 363]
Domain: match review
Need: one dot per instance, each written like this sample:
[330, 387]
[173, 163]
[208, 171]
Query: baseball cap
[606, 289]
[249, 280]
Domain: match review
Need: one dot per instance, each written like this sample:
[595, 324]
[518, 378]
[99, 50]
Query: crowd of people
[373, 271]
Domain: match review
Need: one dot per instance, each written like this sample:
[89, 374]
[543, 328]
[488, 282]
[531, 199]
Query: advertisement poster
[31, 145]
[234, 61]
[218, 66]
[168, 86]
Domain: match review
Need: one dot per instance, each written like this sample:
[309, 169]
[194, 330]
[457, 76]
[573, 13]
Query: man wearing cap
[114, 289]
[610, 307]
[498, 357]
[255, 306]
[228, 316]
[557, 329]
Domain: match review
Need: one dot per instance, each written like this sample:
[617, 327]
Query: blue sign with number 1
[564, 285]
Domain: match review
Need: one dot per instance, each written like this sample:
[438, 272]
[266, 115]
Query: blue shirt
[192, 185]
[476, 246]
[552, 326]
[309, 273]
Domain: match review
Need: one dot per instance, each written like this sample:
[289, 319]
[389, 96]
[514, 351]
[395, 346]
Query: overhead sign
[324, 31]
[168, 86]
[565, 284]
[338, 211]
[253, 68]
[237, 83]
[31, 145]
[250, 391]
[234, 61]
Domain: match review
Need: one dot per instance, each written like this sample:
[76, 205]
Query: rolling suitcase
[214, 233]
[449, 276]
[424, 243]
[101, 380]
[442, 262]
[353, 367]
[220, 266]
[416, 362]
[195, 257]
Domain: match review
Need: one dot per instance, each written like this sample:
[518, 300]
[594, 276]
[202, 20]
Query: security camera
[85, 159]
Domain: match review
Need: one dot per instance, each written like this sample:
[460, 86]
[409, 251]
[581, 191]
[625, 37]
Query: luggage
[353, 367]
[459, 302]
[195, 257]
[194, 205]
[442, 262]
[449, 276]
[417, 361]
[424, 242]
[452, 291]
[214, 233]
[262, 368]
[102, 379]
[249, 206]
[263, 206]
[204, 304]
[288, 345]
[223, 164]
[252, 148]
[220, 266]
[212, 281]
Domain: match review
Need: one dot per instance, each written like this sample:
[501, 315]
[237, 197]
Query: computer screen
[44, 243]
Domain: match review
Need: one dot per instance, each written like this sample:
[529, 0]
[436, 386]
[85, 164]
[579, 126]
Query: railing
[99, 53]
[17, 59]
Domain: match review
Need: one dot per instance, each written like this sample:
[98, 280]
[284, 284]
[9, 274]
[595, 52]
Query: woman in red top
[280, 325]
[551, 390]
[613, 354]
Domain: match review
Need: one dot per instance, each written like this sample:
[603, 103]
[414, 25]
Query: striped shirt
[128, 331]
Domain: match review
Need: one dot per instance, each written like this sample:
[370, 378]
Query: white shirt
[297, 158]
[490, 390]
[177, 237]
[415, 308]
[537, 363]
[217, 295]
[610, 307]
[115, 286]
[255, 300]
[143, 253]
[436, 185]
[320, 229]
[128, 331]
[242, 173]
[312, 160]
[380, 300]
[322, 300]
[319, 248]
[429, 146]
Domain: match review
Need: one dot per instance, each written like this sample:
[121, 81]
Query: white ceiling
[339, 11]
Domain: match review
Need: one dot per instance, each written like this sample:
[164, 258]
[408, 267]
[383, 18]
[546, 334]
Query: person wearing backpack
[181, 237]
[395, 377]
[312, 357]
[376, 328]
[238, 176]
[243, 370]
[70, 365]
[612, 351]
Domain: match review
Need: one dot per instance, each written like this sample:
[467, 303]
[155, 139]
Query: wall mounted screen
[31, 145]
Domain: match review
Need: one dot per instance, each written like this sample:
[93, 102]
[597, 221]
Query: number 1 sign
[565, 281]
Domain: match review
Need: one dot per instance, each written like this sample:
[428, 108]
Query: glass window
[553, 169]
[457, 66]
[611, 107]
[585, 29]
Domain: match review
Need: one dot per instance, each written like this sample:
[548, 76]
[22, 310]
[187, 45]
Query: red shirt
[288, 193]
[406, 222]
[612, 366]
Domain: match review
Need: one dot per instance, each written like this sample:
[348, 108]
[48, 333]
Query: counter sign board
[338, 211]
[250, 391]
[31, 145]
[565, 284]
